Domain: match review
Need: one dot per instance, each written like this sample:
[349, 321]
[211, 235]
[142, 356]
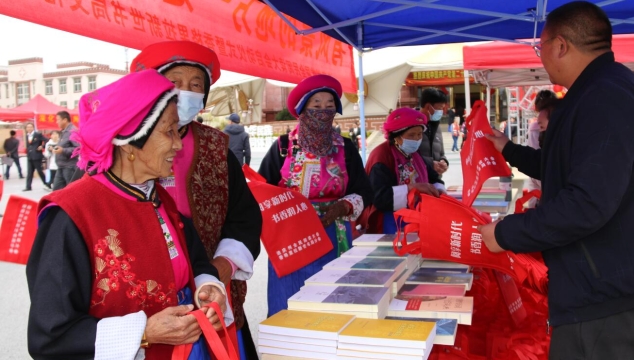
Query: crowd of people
[164, 221]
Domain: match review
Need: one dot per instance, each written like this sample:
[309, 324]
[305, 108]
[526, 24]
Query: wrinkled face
[29, 128]
[155, 158]
[188, 78]
[542, 120]
[414, 133]
[321, 100]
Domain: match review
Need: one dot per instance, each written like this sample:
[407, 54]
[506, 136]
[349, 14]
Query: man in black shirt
[11, 146]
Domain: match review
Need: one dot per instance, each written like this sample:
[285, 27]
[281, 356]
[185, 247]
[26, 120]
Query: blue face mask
[410, 146]
[436, 116]
[189, 105]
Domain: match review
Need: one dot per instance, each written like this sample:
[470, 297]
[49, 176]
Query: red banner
[479, 158]
[18, 229]
[248, 36]
[49, 121]
[436, 78]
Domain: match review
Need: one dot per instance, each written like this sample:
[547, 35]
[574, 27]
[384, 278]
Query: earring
[131, 156]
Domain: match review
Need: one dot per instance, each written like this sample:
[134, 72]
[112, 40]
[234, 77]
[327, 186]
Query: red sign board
[436, 78]
[248, 36]
[49, 121]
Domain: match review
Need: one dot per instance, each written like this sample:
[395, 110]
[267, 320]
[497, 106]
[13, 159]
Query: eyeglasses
[538, 47]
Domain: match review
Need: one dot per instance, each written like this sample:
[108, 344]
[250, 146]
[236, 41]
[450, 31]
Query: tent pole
[361, 93]
[467, 92]
[488, 97]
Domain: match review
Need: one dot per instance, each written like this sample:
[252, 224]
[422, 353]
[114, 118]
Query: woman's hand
[334, 212]
[424, 188]
[207, 295]
[172, 326]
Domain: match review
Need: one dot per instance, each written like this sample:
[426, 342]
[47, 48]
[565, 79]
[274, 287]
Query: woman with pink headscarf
[115, 268]
[395, 167]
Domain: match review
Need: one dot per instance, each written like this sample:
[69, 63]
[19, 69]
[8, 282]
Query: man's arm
[247, 150]
[599, 173]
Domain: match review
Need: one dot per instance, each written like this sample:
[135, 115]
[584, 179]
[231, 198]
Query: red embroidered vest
[208, 196]
[129, 257]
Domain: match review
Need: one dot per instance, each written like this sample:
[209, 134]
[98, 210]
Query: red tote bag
[447, 230]
[19, 225]
[479, 158]
[291, 230]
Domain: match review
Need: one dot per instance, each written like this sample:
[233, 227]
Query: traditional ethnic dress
[107, 255]
[337, 176]
[390, 171]
[208, 186]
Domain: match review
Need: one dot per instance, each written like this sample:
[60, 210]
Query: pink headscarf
[119, 113]
[403, 118]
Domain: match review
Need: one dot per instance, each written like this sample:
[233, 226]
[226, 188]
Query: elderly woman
[324, 167]
[395, 167]
[114, 267]
[207, 182]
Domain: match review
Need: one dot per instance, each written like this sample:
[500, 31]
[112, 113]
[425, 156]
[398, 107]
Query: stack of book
[380, 240]
[435, 291]
[382, 252]
[366, 302]
[386, 339]
[490, 199]
[300, 334]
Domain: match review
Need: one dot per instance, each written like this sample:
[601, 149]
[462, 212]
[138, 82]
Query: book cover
[380, 239]
[343, 354]
[443, 270]
[349, 277]
[364, 299]
[366, 351]
[439, 307]
[305, 323]
[396, 265]
[446, 279]
[432, 290]
[428, 263]
[390, 333]
[445, 328]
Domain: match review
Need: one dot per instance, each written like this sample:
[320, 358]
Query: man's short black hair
[12, 132]
[64, 115]
[432, 96]
[584, 24]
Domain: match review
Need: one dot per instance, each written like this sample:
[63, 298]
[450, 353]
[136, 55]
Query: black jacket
[585, 224]
[239, 143]
[431, 147]
[11, 146]
[32, 152]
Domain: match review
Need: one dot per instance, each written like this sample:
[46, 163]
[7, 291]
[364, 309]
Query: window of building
[77, 85]
[92, 83]
[62, 86]
[6, 91]
[23, 93]
[76, 103]
[48, 87]
[62, 103]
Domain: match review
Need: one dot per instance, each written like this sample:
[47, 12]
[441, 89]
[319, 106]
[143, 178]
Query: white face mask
[410, 146]
[189, 105]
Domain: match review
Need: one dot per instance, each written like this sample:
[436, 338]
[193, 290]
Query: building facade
[22, 79]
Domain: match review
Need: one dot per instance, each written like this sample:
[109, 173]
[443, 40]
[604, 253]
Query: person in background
[115, 268]
[432, 103]
[337, 128]
[395, 167]
[50, 155]
[455, 134]
[34, 147]
[66, 162]
[238, 139]
[11, 146]
[324, 167]
[207, 182]
[355, 133]
[583, 225]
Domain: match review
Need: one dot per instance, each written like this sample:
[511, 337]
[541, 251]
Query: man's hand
[488, 236]
[57, 150]
[498, 139]
[440, 167]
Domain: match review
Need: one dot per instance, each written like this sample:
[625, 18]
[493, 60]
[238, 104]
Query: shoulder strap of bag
[283, 145]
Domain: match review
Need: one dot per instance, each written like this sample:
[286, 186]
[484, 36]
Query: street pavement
[14, 296]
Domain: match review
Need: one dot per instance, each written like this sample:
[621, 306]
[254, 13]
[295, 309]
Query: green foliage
[284, 115]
